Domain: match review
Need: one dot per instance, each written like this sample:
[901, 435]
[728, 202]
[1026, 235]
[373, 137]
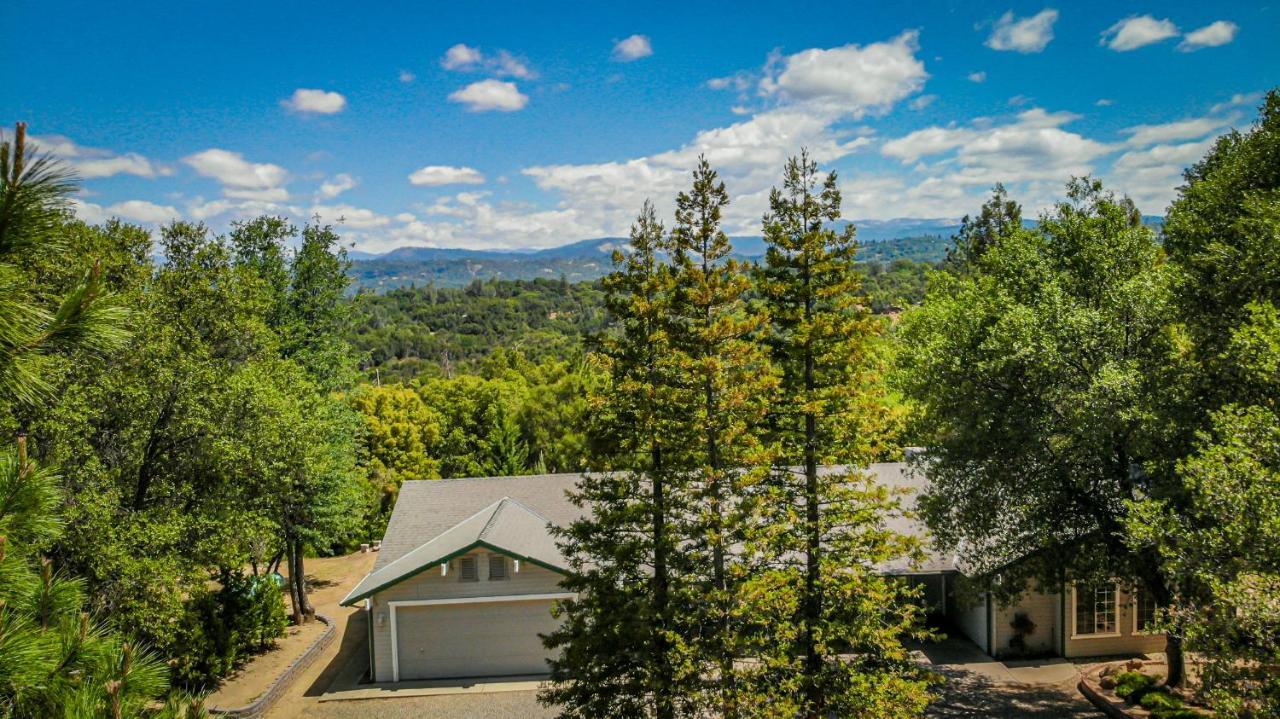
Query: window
[1096, 610]
[497, 567]
[468, 570]
[1144, 612]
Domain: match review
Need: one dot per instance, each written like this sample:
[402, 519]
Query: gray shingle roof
[506, 525]
[432, 515]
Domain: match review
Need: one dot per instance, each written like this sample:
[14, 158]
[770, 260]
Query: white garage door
[489, 639]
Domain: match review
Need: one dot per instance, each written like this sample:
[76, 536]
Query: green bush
[1159, 699]
[223, 628]
[1128, 683]
[1177, 713]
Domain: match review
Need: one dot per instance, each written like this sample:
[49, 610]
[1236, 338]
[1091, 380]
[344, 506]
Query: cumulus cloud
[1151, 176]
[632, 48]
[406, 76]
[1137, 31]
[336, 185]
[977, 77]
[318, 102]
[349, 216]
[92, 162]
[1212, 35]
[1032, 147]
[1025, 35]
[1144, 135]
[464, 58]
[487, 95]
[130, 210]
[854, 78]
[233, 171]
[436, 175]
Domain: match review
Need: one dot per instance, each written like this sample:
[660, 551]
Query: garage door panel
[473, 640]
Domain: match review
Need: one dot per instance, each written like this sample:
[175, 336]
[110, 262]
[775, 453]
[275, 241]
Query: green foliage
[1129, 683]
[895, 287]
[434, 330]
[1154, 700]
[225, 626]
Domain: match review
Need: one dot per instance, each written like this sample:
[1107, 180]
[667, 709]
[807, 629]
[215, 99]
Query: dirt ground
[330, 579]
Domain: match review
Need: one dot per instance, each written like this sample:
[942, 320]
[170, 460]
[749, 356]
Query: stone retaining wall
[282, 683]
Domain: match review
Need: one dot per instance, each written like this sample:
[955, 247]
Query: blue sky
[537, 124]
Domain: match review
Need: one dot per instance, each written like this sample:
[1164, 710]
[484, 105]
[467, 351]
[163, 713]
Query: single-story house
[469, 571]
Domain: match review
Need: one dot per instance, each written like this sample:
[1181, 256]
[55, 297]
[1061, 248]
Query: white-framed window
[1097, 610]
[468, 569]
[1145, 611]
[497, 567]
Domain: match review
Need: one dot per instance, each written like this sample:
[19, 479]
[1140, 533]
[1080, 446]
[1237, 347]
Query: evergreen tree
[999, 217]
[726, 383]
[620, 649]
[823, 598]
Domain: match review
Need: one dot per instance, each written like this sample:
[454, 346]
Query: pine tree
[999, 217]
[727, 383]
[826, 597]
[620, 651]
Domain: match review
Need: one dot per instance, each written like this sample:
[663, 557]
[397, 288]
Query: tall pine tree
[620, 651]
[727, 383]
[834, 645]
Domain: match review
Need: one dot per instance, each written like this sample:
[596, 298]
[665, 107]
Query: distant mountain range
[920, 240]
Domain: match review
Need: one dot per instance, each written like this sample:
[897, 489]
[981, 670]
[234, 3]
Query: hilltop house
[469, 572]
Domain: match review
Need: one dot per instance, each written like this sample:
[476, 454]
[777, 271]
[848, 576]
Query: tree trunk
[300, 579]
[294, 600]
[662, 690]
[814, 694]
[1176, 659]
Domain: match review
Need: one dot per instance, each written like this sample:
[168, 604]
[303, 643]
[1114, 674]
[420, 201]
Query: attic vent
[497, 566]
[467, 570]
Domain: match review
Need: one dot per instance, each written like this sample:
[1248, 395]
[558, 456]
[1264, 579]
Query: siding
[971, 620]
[531, 579]
[1042, 609]
[1127, 643]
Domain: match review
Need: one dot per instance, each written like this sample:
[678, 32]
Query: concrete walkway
[975, 685]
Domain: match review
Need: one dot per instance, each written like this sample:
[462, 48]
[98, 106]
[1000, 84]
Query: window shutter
[467, 570]
[497, 566]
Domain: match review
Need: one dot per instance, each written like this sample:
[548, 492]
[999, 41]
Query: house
[469, 572]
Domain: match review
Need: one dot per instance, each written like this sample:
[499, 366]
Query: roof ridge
[493, 517]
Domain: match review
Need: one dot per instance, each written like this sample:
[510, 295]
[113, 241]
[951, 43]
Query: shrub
[1129, 683]
[1159, 699]
[222, 628]
[1178, 713]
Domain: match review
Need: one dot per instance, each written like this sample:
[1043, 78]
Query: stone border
[1089, 678]
[258, 707]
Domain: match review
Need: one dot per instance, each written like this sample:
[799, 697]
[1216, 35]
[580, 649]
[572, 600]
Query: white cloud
[922, 102]
[349, 216]
[1238, 99]
[406, 76]
[632, 48]
[92, 162]
[270, 194]
[1137, 31]
[1151, 176]
[436, 175]
[336, 185]
[1104, 102]
[1144, 135]
[488, 95]
[1025, 35]
[319, 102]
[464, 58]
[129, 210]
[853, 78]
[1033, 147]
[232, 170]
[977, 77]
[1212, 35]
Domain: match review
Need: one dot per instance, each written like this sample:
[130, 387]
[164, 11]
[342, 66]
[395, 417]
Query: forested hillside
[430, 331]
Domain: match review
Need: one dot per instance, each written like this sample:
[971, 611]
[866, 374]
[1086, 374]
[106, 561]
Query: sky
[529, 125]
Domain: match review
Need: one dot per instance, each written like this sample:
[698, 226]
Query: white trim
[1115, 591]
[392, 606]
